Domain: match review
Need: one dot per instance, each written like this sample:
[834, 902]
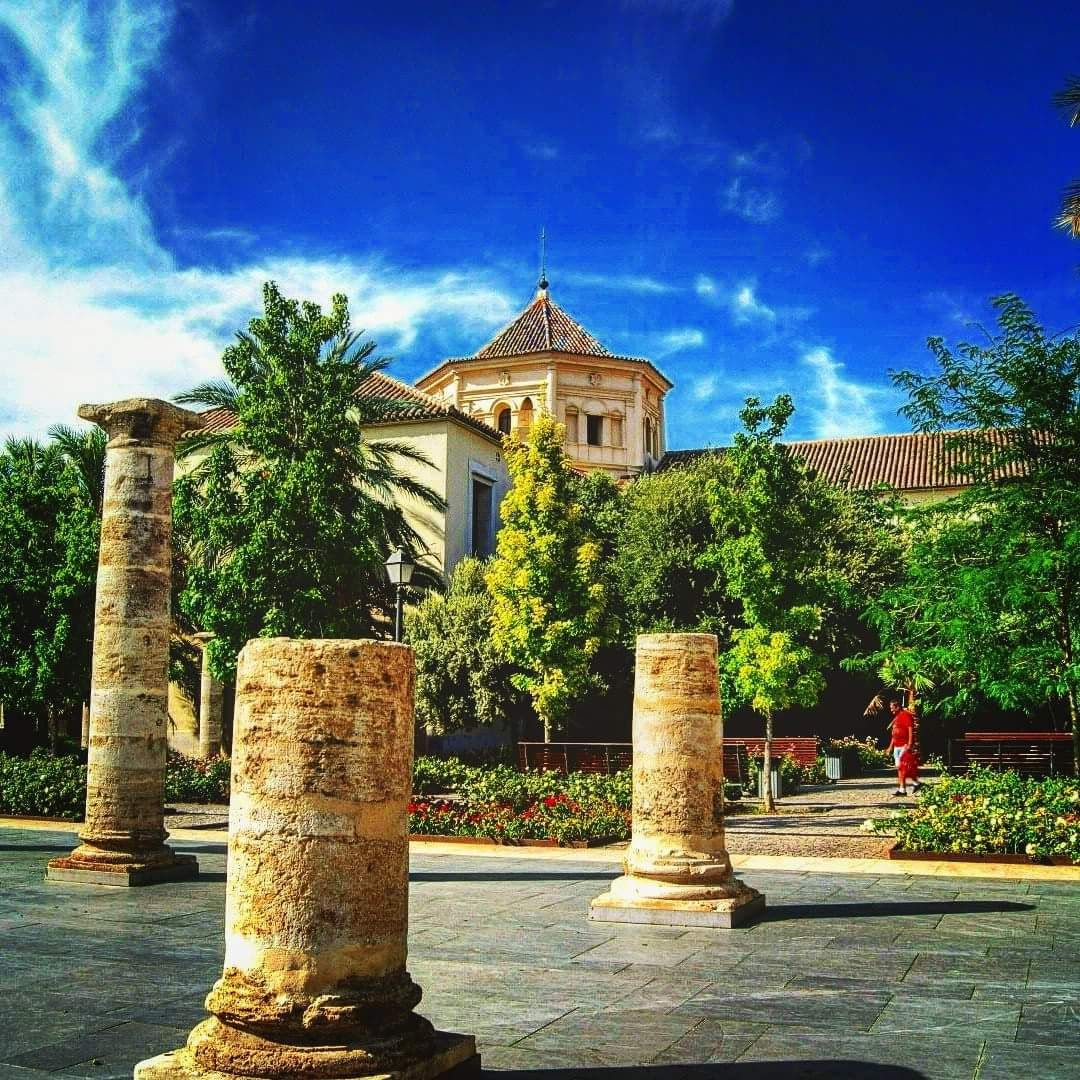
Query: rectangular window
[571, 425]
[482, 538]
[594, 430]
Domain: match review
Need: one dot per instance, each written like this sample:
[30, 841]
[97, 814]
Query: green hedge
[42, 785]
[986, 812]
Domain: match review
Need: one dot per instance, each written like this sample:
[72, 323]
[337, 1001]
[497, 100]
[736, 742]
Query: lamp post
[399, 569]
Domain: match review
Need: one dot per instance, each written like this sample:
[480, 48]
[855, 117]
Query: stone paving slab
[875, 975]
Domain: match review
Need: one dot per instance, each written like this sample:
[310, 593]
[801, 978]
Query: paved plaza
[849, 975]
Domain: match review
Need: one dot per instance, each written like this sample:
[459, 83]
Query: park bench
[1030, 753]
[568, 757]
[804, 749]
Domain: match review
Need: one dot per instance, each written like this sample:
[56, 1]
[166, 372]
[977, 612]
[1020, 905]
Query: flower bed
[42, 785]
[554, 818]
[870, 757]
[991, 813]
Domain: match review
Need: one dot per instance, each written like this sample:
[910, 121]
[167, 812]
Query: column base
[86, 872]
[722, 913]
[453, 1057]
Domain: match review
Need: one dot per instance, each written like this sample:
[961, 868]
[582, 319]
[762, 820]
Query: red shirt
[902, 724]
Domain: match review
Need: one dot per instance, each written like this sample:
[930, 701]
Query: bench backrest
[804, 749]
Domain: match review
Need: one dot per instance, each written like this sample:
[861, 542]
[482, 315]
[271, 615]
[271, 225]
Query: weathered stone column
[210, 706]
[123, 837]
[316, 907]
[677, 869]
[84, 731]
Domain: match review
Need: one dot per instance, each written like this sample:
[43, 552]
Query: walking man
[902, 742]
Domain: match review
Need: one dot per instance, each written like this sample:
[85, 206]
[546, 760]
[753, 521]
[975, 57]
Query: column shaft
[316, 907]
[123, 836]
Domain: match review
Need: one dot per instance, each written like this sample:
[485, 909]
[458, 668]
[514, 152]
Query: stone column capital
[204, 636]
[142, 421]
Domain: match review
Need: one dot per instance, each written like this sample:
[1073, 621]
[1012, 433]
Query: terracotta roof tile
[908, 462]
[542, 327]
[409, 404]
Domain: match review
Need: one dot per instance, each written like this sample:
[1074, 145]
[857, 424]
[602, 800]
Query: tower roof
[542, 327]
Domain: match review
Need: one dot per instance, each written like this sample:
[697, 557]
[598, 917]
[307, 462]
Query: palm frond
[85, 450]
[1067, 99]
[1069, 217]
[204, 440]
[215, 394]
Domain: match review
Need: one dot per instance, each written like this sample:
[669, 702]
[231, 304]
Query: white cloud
[816, 254]
[746, 307]
[689, 337]
[638, 283]
[756, 204]
[95, 306]
[705, 286]
[704, 388]
[839, 405]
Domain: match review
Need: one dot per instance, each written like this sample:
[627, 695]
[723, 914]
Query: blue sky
[760, 195]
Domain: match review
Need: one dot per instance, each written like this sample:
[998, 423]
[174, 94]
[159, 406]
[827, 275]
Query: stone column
[316, 906]
[677, 870]
[84, 731]
[210, 706]
[123, 836]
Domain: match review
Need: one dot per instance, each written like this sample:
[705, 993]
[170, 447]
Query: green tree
[462, 681]
[799, 559]
[991, 605]
[84, 451]
[1067, 99]
[665, 530]
[284, 526]
[550, 603]
[49, 535]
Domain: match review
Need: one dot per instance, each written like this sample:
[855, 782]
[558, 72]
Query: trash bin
[777, 781]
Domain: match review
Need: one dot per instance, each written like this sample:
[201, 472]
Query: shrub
[989, 812]
[43, 785]
[437, 776]
[815, 774]
[188, 780]
[870, 757]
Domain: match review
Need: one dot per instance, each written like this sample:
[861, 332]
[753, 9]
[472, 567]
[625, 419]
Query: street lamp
[399, 569]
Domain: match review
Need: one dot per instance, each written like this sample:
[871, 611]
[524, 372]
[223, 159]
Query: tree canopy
[550, 602]
[49, 534]
[990, 607]
[285, 523]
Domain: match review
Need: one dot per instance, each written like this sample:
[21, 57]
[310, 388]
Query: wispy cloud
[957, 309]
[839, 405]
[704, 388]
[541, 150]
[95, 304]
[705, 287]
[637, 283]
[746, 307]
[674, 341]
[754, 203]
[816, 254]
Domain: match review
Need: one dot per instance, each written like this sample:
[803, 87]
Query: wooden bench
[804, 749]
[568, 757]
[1030, 753]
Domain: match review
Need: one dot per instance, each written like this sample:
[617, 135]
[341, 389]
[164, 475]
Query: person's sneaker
[899, 794]
[917, 786]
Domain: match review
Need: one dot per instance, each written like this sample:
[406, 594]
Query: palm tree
[1067, 100]
[295, 405]
[85, 452]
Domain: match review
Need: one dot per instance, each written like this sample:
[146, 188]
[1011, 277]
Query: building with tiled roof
[466, 465]
[920, 467]
[612, 406]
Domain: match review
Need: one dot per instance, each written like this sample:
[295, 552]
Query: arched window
[525, 416]
[502, 418]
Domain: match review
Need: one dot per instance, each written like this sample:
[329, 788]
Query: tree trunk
[53, 729]
[547, 729]
[1074, 720]
[766, 767]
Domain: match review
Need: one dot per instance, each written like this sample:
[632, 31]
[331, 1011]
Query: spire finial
[543, 282]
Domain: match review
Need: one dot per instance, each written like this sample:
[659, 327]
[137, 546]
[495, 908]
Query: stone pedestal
[316, 909]
[123, 836]
[210, 706]
[677, 869]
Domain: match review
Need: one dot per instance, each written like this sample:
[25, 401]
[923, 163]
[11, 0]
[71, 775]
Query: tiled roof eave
[584, 358]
